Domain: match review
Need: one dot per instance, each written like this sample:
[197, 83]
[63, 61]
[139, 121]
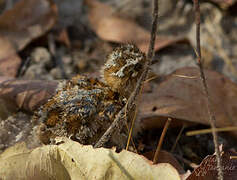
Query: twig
[178, 137]
[155, 159]
[131, 140]
[135, 114]
[120, 119]
[212, 118]
[24, 67]
[205, 131]
[131, 129]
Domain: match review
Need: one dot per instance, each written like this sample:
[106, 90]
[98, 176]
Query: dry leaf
[207, 170]
[26, 95]
[71, 160]
[9, 60]
[165, 157]
[27, 20]
[112, 27]
[15, 150]
[181, 96]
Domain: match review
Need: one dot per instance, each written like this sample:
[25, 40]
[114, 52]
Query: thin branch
[177, 138]
[131, 129]
[206, 131]
[121, 118]
[155, 159]
[212, 118]
[24, 67]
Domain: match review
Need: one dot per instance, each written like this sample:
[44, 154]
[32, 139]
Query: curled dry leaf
[181, 96]
[71, 160]
[24, 94]
[207, 170]
[112, 27]
[27, 20]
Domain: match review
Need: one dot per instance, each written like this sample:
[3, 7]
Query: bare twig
[135, 114]
[177, 139]
[131, 129]
[205, 131]
[212, 118]
[24, 67]
[121, 118]
[155, 159]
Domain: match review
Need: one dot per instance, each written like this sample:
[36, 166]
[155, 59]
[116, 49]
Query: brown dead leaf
[207, 170]
[27, 20]
[9, 60]
[112, 27]
[181, 96]
[26, 95]
[165, 157]
[71, 160]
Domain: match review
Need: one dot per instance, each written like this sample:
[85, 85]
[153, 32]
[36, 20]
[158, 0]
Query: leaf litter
[71, 160]
[27, 20]
[174, 95]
